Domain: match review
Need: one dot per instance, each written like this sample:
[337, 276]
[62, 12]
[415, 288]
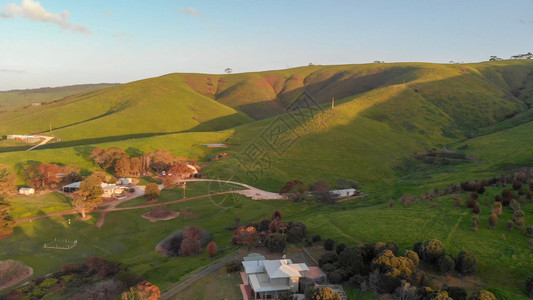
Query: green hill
[15, 98]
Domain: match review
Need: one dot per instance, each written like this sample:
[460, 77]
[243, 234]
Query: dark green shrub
[529, 286]
[327, 258]
[329, 244]
[432, 251]
[446, 264]
[233, 266]
[276, 242]
[466, 263]
[457, 292]
[339, 248]
[316, 238]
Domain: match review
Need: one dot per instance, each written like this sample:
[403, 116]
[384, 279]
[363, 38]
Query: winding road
[45, 140]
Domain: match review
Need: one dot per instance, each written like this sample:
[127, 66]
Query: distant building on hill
[125, 181]
[344, 193]
[24, 138]
[110, 190]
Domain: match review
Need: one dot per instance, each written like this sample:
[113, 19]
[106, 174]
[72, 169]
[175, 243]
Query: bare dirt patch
[160, 214]
[13, 276]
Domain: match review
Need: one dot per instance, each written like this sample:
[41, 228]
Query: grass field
[218, 285]
[31, 206]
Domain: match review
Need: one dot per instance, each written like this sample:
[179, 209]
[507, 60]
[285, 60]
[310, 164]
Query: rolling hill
[383, 114]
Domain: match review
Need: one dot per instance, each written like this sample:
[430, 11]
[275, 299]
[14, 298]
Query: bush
[325, 294]
[329, 244]
[352, 260]
[233, 266]
[518, 218]
[327, 258]
[412, 256]
[466, 263]
[297, 232]
[482, 295]
[336, 276]
[446, 264]
[276, 242]
[339, 248]
[493, 220]
[529, 231]
[514, 205]
[432, 251]
[457, 292]
[316, 238]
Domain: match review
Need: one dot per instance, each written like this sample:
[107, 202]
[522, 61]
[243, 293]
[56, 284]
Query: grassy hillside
[14, 98]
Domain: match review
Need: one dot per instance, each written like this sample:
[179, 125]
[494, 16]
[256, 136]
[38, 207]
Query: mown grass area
[31, 206]
[218, 285]
[192, 189]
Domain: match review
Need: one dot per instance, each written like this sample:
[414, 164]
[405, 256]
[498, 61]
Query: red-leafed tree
[191, 243]
[277, 215]
[42, 175]
[143, 290]
[212, 248]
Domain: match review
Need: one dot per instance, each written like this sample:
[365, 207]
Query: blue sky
[63, 42]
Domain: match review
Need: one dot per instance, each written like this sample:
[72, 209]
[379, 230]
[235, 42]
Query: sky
[64, 42]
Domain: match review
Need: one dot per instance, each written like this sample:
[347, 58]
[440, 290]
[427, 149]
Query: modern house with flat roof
[270, 278]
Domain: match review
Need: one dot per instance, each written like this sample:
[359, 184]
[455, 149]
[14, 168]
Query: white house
[110, 190]
[26, 191]
[344, 193]
[269, 278]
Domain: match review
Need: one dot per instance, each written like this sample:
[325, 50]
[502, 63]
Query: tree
[412, 256]
[529, 231]
[123, 167]
[245, 236]
[88, 196]
[6, 221]
[497, 208]
[42, 175]
[180, 171]
[466, 263]
[446, 264]
[325, 294]
[456, 292]
[296, 232]
[276, 242]
[329, 244]
[212, 248]
[7, 180]
[518, 219]
[142, 291]
[351, 259]
[482, 295]
[321, 190]
[432, 251]
[191, 243]
[152, 192]
[277, 215]
[493, 220]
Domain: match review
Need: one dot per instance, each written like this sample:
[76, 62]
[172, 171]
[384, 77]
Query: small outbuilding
[70, 188]
[26, 191]
[125, 181]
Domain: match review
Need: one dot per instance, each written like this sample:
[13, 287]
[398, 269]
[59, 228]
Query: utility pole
[50, 128]
[333, 102]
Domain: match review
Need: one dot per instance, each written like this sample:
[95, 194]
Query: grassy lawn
[193, 189]
[31, 206]
[218, 285]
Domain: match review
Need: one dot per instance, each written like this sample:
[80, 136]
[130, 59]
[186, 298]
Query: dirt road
[45, 140]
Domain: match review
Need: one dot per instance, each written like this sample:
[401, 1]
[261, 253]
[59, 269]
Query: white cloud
[190, 11]
[32, 10]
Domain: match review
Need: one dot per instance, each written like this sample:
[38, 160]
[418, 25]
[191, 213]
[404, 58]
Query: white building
[26, 191]
[270, 278]
[344, 193]
[110, 190]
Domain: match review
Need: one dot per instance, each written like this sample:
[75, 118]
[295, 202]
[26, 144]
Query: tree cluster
[160, 161]
[378, 266]
[47, 175]
[272, 234]
[96, 278]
